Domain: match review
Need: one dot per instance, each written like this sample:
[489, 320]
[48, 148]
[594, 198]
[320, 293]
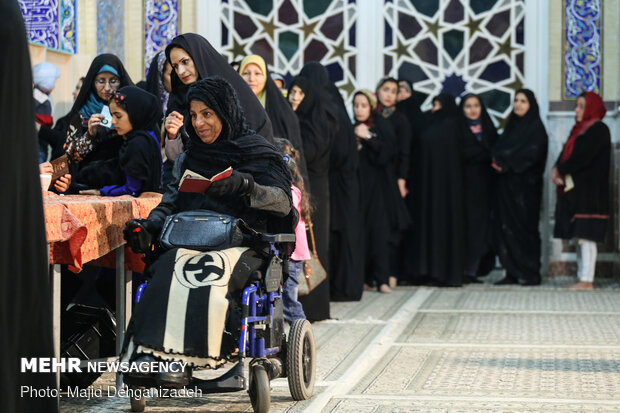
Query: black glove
[238, 183]
[140, 233]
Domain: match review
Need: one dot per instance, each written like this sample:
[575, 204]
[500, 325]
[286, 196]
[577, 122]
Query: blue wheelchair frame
[258, 308]
[261, 311]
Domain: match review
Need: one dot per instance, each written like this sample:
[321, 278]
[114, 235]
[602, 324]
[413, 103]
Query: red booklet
[194, 182]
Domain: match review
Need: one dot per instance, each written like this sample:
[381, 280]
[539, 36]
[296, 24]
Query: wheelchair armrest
[279, 237]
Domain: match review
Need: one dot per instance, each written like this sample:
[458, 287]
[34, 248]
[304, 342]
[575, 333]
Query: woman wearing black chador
[314, 123]
[437, 253]
[519, 158]
[477, 137]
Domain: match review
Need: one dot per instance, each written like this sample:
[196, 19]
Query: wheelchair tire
[259, 389]
[138, 404]
[301, 360]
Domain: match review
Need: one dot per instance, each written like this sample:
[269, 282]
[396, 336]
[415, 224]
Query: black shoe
[141, 376]
[529, 282]
[175, 377]
[507, 280]
[143, 372]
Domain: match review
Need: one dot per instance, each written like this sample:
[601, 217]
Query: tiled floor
[474, 349]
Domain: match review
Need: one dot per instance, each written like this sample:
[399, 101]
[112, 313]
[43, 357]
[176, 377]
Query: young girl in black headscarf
[179, 323]
[91, 147]
[315, 135]
[437, 247]
[344, 192]
[192, 58]
[381, 202]
[387, 91]
[136, 115]
[477, 138]
[519, 157]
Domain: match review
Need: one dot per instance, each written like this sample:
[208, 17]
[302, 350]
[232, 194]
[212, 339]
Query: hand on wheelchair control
[238, 183]
[140, 233]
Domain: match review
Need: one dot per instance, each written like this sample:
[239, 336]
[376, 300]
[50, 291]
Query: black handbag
[201, 230]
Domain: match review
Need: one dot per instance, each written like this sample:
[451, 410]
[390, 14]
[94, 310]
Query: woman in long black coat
[380, 196]
[437, 256]
[519, 157]
[317, 142]
[581, 174]
[344, 193]
[477, 138]
[25, 299]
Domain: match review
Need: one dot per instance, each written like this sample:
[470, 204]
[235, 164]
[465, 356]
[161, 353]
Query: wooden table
[84, 229]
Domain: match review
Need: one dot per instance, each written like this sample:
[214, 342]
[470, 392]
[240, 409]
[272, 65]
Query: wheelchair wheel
[259, 389]
[138, 404]
[301, 360]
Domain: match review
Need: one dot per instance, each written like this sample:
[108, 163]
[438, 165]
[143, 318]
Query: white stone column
[369, 35]
[208, 22]
[537, 52]
[536, 79]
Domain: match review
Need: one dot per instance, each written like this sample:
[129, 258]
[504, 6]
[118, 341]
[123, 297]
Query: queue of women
[395, 196]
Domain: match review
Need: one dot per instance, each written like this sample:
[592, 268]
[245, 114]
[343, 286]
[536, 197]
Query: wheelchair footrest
[230, 381]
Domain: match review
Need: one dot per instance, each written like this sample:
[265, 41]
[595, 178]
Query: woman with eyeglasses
[92, 144]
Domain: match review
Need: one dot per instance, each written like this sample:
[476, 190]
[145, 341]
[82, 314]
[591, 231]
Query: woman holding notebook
[258, 191]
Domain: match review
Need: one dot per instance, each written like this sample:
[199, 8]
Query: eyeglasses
[111, 82]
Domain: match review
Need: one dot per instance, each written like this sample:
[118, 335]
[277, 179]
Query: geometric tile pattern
[334, 360]
[161, 25]
[457, 46]
[472, 349]
[581, 374]
[582, 47]
[432, 405]
[289, 33]
[539, 329]
[110, 27]
[535, 299]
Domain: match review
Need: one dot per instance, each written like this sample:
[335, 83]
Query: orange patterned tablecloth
[84, 228]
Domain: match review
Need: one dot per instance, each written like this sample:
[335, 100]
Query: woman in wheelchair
[189, 313]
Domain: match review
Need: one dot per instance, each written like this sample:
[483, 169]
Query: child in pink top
[293, 309]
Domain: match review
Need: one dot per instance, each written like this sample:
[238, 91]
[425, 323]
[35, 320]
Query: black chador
[477, 138]
[314, 123]
[381, 202]
[438, 216]
[521, 154]
[26, 314]
[209, 62]
[346, 282]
